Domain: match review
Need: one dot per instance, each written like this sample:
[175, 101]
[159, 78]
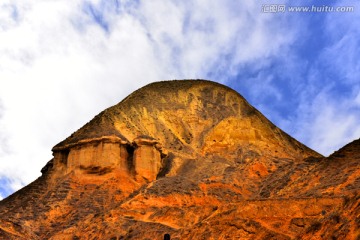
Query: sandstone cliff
[192, 159]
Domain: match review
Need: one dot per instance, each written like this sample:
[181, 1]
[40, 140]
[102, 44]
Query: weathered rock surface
[192, 159]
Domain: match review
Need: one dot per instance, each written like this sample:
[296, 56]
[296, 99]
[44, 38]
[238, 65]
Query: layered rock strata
[192, 159]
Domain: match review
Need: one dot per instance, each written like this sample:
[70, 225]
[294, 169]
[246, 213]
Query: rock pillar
[147, 158]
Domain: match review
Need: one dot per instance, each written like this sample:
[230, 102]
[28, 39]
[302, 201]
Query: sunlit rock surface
[192, 159]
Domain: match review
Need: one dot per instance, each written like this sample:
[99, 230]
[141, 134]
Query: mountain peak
[189, 159]
[197, 118]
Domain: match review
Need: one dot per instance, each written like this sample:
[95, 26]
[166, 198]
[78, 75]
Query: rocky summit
[188, 159]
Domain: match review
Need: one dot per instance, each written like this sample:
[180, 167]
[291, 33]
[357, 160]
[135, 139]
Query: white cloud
[59, 67]
[204, 36]
[335, 125]
[55, 78]
[344, 32]
[326, 121]
[327, 114]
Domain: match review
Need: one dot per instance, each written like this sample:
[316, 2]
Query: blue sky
[62, 62]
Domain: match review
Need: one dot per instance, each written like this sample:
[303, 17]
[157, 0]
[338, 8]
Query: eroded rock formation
[191, 159]
[141, 158]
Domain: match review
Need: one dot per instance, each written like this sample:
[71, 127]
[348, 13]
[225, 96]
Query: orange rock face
[191, 159]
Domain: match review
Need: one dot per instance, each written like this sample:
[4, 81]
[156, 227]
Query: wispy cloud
[326, 115]
[327, 122]
[310, 87]
[334, 116]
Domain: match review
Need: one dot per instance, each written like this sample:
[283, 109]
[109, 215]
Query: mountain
[192, 159]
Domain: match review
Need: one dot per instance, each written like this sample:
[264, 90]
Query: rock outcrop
[142, 158]
[192, 159]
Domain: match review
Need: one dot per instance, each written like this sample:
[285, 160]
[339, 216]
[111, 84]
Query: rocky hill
[192, 159]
